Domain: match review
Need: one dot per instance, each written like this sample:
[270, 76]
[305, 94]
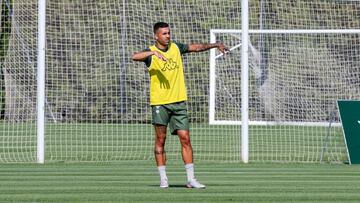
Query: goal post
[244, 80]
[41, 81]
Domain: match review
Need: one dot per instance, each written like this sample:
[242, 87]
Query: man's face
[162, 36]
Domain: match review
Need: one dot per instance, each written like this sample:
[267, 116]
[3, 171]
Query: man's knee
[159, 151]
[185, 140]
[160, 141]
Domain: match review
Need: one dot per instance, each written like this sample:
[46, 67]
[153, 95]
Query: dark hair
[160, 25]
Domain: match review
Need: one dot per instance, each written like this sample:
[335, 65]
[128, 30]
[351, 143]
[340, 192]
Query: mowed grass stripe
[137, 181]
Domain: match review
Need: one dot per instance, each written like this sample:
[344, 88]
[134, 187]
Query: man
[168, 96]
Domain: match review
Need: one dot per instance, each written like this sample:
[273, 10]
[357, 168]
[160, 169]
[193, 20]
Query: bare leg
[186, 148]
[160, 137]
[187, 154]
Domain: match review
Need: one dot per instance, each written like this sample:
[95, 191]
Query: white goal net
[292, 101]
[97, 105]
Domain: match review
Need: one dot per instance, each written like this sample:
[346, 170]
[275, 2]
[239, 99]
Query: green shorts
[174, 115]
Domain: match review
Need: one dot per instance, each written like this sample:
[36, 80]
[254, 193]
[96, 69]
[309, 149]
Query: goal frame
[245, 122]
[212, 75]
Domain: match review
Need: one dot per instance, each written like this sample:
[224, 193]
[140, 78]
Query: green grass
[137, 181]
[112, 177]
[94, 142]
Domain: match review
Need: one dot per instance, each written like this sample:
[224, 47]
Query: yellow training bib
[167, 81]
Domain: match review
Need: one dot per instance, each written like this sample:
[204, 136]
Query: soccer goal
[295, 79]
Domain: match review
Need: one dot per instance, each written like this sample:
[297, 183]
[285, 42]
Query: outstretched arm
[205, 46]
[143, 55]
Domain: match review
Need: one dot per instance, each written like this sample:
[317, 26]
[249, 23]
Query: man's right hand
[159, 55]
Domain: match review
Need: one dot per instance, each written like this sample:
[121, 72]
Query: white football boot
[164, 183]
[195, 184]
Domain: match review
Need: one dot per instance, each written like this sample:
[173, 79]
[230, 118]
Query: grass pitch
[137, 181]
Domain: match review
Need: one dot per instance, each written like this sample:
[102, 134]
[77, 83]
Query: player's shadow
[171, 186]
[177, 186]
[164, 82]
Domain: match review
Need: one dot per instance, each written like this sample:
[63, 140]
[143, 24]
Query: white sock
[162, 172]
[190, 171]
